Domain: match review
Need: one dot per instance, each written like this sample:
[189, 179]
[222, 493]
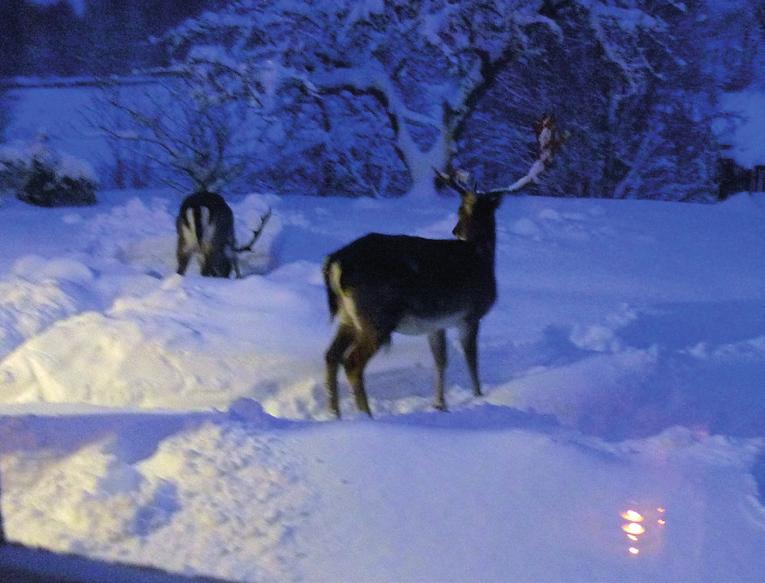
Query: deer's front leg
[469, 342]
[235, 261]
[233, 257]
[437, 341]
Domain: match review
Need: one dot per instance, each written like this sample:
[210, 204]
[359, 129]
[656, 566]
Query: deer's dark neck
[486, 244]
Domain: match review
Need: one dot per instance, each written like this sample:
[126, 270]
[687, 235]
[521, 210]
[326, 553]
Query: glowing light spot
[634, 551]
[661, 510]
[632, 516]
[661, 522]
[633, 528]
[632, 537]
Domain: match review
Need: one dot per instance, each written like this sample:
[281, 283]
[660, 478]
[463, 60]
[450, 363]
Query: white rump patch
[348, 312]
[188, 232]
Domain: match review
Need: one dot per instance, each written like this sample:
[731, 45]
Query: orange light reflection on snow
[633, 528]
[635, 531]
[632, 516]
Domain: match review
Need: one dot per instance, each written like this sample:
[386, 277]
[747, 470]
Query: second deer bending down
[380, 284]
[205, 226]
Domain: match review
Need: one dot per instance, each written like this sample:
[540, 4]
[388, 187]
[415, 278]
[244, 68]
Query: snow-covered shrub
[41, 176]
[13, 170]
[48, 186]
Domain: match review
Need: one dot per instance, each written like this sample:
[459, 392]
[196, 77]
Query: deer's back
[205, 219]
[413, 279]
[215, 203]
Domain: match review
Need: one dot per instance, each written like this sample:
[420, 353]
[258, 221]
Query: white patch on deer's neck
[417, 326]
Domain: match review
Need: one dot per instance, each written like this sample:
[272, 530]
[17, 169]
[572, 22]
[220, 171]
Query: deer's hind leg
[183, 255]
[355, 363]
[369, 338]
[374, 322]
[335, 355]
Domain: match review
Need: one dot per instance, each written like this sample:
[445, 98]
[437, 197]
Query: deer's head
[475, 218]
[476, 213]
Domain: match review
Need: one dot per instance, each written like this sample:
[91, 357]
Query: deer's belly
[418, 325]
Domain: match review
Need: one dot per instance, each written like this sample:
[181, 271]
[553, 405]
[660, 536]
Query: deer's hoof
[441, 407]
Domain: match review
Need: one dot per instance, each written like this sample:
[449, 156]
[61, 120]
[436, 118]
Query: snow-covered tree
[735, 41]
[628, 78]
[366, 95]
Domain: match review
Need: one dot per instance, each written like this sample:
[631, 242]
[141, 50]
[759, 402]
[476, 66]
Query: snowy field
[181, 422]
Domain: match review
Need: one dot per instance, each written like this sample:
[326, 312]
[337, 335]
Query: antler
[256, 232]
[549, 140]
[456, 181]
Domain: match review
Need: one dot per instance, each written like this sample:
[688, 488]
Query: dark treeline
[110, 36]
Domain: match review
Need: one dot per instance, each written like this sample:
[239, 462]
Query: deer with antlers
[205, 226]
[380, 284]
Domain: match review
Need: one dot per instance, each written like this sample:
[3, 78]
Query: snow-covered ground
[181, 422]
